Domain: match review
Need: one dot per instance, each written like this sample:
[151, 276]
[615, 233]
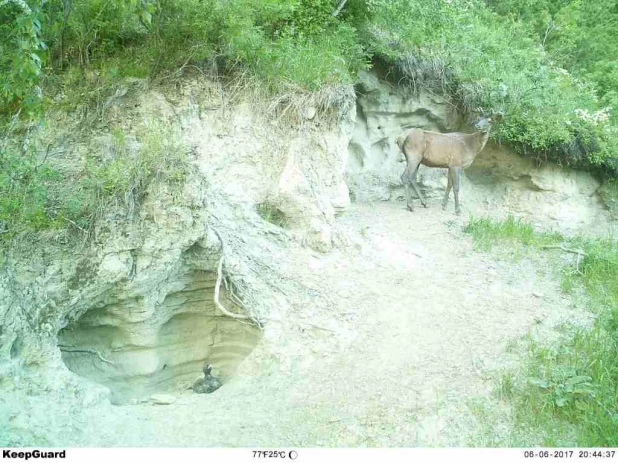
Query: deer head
[484, 123]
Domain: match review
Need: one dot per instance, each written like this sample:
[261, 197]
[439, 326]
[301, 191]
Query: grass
[271, 214]
[609, 196]
[505, 385]
[568, 392]
[487, 232]
[42, 191]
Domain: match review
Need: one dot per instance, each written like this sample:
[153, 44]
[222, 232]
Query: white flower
[602, 115]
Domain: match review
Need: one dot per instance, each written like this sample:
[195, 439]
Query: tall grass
[570, 390]
[38, 193]
[486, 232]
[75, 54]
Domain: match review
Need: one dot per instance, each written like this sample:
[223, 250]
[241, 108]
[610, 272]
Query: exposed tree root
[85, 351]
[216, 297]
[562, 248]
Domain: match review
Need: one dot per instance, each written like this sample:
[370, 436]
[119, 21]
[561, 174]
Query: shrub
[36, 194]
[549, 67]
[568, 391]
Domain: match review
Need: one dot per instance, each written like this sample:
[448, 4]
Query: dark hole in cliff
[16, 347]
[480, 175]
[137, 348]
[272, 214]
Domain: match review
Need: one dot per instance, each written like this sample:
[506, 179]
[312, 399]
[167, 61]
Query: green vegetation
[581, 39]
[548, 66]
[271, 214]
[609, 195]
[486, 231]
[570, 390]
[35, 196]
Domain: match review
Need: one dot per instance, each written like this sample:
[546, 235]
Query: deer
[454, 151]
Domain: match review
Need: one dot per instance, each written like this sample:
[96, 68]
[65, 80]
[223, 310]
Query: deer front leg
[408, 199]
[449, 185]
[456, 184]
[416, 188]
[406, 178]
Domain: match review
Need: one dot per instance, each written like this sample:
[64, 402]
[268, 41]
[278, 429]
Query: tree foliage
[549, 66]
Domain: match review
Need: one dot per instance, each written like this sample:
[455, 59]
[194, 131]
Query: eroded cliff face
[498, 182]
[129, 310]
[552, 196]
[384, 111]
[131, 307]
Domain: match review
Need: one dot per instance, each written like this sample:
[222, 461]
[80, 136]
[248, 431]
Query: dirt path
[414, 325]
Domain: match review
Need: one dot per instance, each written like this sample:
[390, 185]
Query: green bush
[21, 49]
[548, 66]
[568, 390]
[38, 195]
[492, 63]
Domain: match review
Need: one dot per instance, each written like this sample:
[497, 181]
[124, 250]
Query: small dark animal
[208, 383]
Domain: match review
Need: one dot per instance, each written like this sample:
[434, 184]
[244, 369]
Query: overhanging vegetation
[547, 66]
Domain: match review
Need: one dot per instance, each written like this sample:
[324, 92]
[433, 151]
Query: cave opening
[137, 348]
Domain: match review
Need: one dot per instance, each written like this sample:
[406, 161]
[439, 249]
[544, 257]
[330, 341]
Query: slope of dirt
[414, 322]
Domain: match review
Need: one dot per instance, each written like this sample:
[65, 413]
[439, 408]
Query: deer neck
[484, 140]
[476, 143]
[481, 141]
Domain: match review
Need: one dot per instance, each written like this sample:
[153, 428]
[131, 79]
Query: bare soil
[408, 337]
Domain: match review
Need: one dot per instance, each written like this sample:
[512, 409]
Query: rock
[499, 179]
[368, 81]
[95, 395]
[608, 193]
[319, 236]
[163, 399]
[309, 113]
[114, 267]
[374, 161]
[19, 421]
[341, 200]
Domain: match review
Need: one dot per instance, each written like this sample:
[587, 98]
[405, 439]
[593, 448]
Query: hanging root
[579, 252]
[85, 351]
[246, 293]
[216, 298]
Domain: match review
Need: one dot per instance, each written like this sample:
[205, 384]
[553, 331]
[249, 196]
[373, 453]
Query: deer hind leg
[456, 184]
[449, 174]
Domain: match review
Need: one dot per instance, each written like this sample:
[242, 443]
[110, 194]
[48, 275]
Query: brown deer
[454, 151]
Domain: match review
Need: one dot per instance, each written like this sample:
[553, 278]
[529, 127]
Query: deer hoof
[425, 205]
[410, 208]
[443, 207]
[458, 212]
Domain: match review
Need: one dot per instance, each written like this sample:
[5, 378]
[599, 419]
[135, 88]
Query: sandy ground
[412, 329]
